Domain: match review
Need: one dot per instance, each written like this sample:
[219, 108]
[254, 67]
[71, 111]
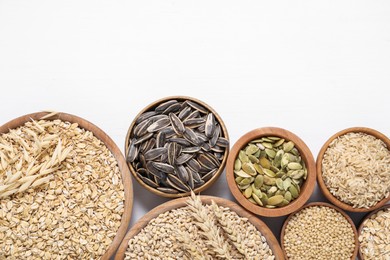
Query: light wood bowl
[306, 189]
[322, 204]
[320, 179]
[368, 216]
[125, 174]
[207, 184]
[181, 202]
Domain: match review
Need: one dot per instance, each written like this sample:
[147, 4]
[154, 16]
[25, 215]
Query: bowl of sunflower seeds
[175, 145]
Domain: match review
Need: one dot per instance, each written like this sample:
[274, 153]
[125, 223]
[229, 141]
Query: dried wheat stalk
[226, 224]
[189, 246]
[31, 158]
[208, 229]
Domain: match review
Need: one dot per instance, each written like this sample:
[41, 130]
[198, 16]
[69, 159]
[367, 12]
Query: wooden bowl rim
[206, 184]
[322, 204]
[320, 179]
[368, 216]
[110, 144]
[306, 189]
[181, 202]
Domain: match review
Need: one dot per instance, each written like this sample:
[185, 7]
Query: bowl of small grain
[271, 171]
[319, 231]
[374, 233]
[65, 189]
[175, 145]
[353, 169]
[199, 227]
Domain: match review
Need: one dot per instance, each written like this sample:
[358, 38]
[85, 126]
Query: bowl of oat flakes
[65, 189]
[199, 227]
[175, 145]
[353, 169]
[374, 230]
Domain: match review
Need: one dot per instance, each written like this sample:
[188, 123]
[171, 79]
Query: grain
[177, 234]
[70, 195]
[356, 169]
[375, 236]
[318, 232]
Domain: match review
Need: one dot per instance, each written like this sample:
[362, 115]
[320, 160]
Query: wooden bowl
[127, 183]
[320, 179]
[206, 184]
[323, 204]
[306, 189]
[368, 216]
[181, 202]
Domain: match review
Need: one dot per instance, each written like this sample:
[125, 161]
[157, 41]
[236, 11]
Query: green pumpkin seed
[268, 145]
[253, 159]
[293, 191]
[288, 146]
[257, 199]
[257, 154]
[287, 196]
[273, 138]
[259, 181]
[279, 143]
[279, 183]
[251, 149]
[269, 181]
[256, 191]
[252, 201]
[237, 165]
[243, 174]
[248, 192]
[238, 179]
[271, 153]
[258, 168]
[264, 198]
[243, 187]
[269, 173]
[246, 181]
[272, 191]
[248, 168]
[243, 157]
[275, 200]
[294, 166]
[265, 163]
[286, 183]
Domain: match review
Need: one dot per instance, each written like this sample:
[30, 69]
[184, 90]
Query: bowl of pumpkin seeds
[176, 145]
[271, 171]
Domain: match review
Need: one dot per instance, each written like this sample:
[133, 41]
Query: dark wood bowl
[125, 174]
[320, 179]
[322, 204]
[207, 184]
[306, 189]
[178, 203]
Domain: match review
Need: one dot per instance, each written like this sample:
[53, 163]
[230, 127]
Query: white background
[312, 67]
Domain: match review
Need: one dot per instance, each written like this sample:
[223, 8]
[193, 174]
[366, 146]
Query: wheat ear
[227, 226]
[208, 229]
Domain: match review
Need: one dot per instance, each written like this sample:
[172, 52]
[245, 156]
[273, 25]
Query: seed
[237, 165]
[275, 200]
[259, 181]
[251, 149]
[158, 125]
[288, 146]
[210, 125]
[257, 199]
[294, 166]
[154, 153]
[293, 191]
[248, 168]
[177, 124]
[248, 192]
